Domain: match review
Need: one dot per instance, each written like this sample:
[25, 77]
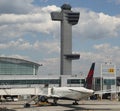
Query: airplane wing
[54, 96]
[78, 91]
[106, 91]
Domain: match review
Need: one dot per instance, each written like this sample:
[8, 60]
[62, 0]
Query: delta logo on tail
[88, 83]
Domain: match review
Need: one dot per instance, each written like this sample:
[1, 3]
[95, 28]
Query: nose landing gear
[75, 103]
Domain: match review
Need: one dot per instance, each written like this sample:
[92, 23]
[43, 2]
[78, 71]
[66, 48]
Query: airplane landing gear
[75, 103]
[54, 102]
[26, 105]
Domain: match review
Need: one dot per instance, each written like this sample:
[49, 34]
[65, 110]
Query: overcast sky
[27, 32]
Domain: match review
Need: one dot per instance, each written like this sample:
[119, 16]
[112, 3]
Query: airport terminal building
[16, 72]
[23, 73]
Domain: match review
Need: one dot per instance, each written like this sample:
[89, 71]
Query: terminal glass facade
[12, 66]
[109, 81]
[76, 81]
[29, 82]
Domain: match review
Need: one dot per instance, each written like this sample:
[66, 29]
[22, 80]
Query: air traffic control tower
[67, 19]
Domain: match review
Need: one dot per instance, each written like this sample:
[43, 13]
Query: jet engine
[42, 98]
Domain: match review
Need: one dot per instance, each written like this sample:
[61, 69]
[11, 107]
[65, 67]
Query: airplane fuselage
[73, 93]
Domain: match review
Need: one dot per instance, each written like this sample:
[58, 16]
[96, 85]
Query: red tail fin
[89, 78]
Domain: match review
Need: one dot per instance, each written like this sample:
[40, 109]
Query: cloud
[50, 66]
[40, 14]
[19, 25]
[16, 6]
[101, 53]
[44, 0]
[50, 47]
[108, 51]
[91, 25]
[117, 2]
[20, 44]
[94, 25]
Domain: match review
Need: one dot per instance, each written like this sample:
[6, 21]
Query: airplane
[67, 93]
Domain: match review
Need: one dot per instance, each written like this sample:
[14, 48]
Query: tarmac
[64, 105]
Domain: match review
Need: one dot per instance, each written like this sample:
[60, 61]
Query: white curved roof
[17, 60]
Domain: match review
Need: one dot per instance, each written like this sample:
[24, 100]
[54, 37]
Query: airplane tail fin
[88, 83]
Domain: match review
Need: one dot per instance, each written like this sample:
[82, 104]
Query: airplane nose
[91, 91]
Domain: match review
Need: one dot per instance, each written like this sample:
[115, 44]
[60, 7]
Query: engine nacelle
[42, 98]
